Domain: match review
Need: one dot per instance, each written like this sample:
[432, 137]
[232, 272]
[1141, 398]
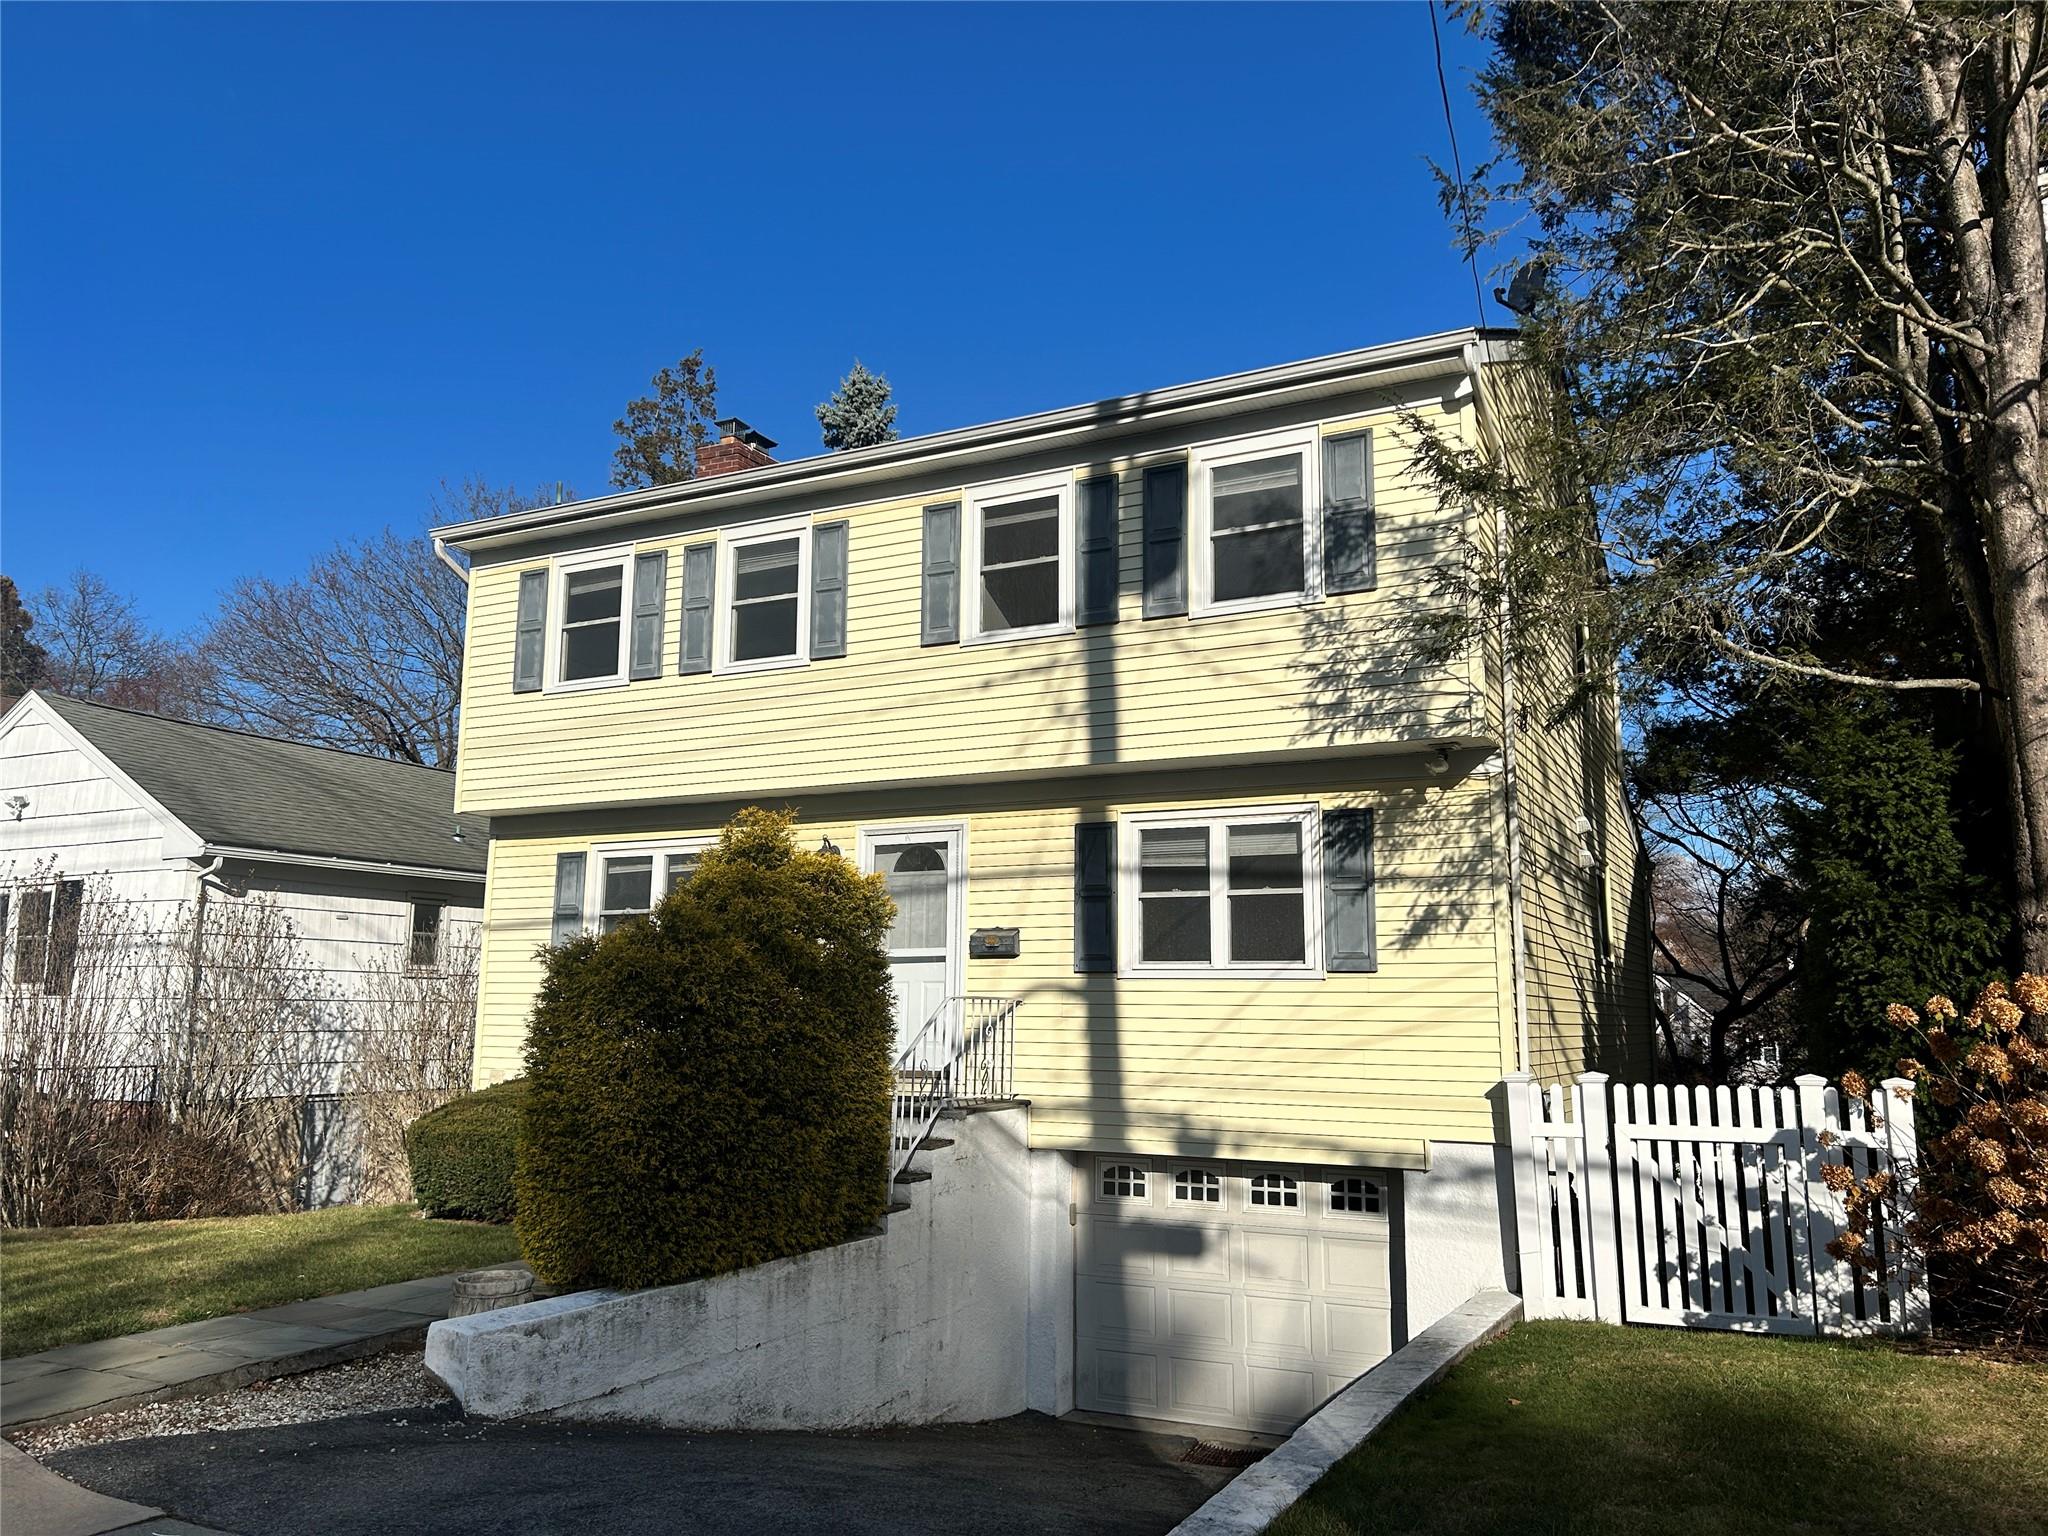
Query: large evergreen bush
[710, 1086]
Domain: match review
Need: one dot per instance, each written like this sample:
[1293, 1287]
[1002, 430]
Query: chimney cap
[735, 430]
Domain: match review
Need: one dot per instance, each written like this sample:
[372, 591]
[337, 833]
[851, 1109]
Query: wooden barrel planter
[486, 1290]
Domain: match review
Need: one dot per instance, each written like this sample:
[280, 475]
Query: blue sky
[271, 273]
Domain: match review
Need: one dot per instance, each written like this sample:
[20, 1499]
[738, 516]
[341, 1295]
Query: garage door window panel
[1129, 1182]
[1275, 1191]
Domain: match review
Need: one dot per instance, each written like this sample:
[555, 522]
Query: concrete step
[932, 1143]
[914, 1176]
[986, 1107]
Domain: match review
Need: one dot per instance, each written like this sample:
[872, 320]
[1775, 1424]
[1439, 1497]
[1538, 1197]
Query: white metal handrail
[960, 1056]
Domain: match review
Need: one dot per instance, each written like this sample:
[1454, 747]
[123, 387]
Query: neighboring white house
[365, 856]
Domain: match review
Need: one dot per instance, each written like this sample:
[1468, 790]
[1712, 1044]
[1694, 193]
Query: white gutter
[326, 861]
[1018, 433]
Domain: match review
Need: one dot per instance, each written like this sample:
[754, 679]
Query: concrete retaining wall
[925, 1322]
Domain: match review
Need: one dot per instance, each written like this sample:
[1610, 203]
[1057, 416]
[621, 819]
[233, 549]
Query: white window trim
[1130, 919]
[1202, 462]
[730, 542]
[593, 869]
[973, 502]
[553, 651]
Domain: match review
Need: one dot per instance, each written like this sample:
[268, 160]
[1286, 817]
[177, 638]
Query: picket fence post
[1902, 1147]
[1529, 1181]
[1603, 1279]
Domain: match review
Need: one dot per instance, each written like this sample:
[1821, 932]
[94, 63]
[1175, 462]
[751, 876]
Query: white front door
[922, 869]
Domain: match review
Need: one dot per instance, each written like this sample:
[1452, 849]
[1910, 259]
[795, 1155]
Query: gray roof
[235, 790]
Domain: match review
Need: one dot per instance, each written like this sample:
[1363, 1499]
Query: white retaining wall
[1457, 1232]
[926, 1322]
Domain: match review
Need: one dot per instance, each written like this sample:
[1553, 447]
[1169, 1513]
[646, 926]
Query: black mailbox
[993, 944]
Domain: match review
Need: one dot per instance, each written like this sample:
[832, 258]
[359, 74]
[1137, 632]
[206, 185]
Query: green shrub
[710, 1086]
[462, 1155]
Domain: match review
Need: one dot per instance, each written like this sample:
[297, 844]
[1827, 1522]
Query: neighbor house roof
[257, 795]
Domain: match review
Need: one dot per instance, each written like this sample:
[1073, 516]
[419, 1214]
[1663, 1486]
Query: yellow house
[1126, 702]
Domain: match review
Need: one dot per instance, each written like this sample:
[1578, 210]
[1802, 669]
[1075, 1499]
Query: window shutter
[700, 562]
[1347, 513]
[828, 590]
[942, 574]
[1347, 892]
[64, 937]
[568, 898]
[650, 596]
[1166, 556]
[1098, 594]
[31, 935]
[1095, 896]
[529, 644]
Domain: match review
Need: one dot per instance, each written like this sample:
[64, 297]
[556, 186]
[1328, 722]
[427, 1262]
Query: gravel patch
[389, 1383]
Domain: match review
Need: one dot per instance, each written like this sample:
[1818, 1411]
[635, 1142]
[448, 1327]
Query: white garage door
[1240, 1294]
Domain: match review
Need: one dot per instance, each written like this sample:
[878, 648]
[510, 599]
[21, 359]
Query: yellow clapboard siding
[1284, 1069]
[1339, 674]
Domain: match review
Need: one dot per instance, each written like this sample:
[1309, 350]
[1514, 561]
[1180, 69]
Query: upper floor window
[1020, 558]
[1231, 891]
[590, 618]
[764, 596]
[1252, 525]
[423, 947]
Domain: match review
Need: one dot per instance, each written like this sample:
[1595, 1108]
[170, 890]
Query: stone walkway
[79, 1379]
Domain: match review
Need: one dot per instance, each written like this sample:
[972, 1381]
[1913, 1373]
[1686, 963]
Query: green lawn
[61, 1285]
[1582, 1428]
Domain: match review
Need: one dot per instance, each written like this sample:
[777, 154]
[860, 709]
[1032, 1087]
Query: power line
[1457, 166]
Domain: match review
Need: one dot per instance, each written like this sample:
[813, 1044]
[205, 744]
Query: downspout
[1511, 795]
[441, 554]
[192, 980]
[1511, 792]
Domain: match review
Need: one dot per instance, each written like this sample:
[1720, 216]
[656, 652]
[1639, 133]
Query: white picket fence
[1706, 1207]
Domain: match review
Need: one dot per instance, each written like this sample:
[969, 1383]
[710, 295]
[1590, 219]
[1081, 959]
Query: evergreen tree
[1896, 911]
[21, 659]
[860, 412]
[660, 434]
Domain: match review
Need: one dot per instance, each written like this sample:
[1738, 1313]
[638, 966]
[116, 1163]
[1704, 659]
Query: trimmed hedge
[710, 1087]
[463, 1154]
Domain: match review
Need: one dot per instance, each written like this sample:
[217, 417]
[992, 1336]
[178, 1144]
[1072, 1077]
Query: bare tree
[96, 646]
[409, 1053]
[364, 651]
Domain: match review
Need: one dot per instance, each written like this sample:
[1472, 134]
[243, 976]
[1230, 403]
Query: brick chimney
[739, 446]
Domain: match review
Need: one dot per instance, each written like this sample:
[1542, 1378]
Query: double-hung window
[1020, 558]
[1254, 524]
[630, 879]
[764, 597]
[423, 945]
[589, 622]
[1224, 892]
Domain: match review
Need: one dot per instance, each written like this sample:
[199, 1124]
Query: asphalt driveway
[433, 1471]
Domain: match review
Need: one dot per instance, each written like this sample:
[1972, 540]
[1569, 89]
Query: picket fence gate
[1706, 1207]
